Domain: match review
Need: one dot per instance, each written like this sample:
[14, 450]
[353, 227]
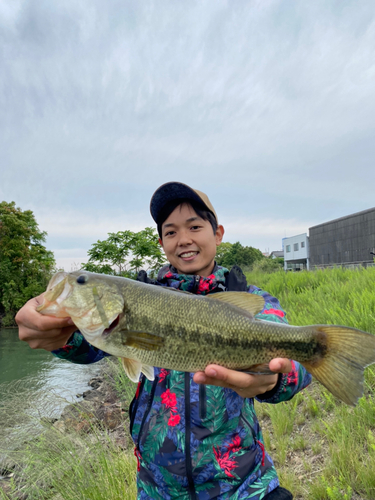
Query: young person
[196, 435]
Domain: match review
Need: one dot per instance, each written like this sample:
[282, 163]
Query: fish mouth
[58, 290]
[112, 326]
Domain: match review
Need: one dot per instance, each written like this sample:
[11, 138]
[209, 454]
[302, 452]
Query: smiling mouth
[188, 255]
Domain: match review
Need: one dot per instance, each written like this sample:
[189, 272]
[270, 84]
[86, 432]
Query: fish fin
[347, 353]
[261, 369]
[132, 368]
[251, 302]
[148, 371]
[144, 341]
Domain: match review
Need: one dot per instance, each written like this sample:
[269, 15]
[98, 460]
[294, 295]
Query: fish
[151, 326]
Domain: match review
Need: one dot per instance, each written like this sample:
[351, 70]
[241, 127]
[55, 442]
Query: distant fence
[347, 265]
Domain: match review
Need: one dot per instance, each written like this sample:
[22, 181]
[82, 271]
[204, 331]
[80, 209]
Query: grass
[68, 465]
[330, 452]
[323, 449]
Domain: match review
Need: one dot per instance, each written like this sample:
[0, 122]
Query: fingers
[247, 386]
[29, 317]
[280, 365]
[220, 376]
[51, 340]
[42, 332]
[244, 384]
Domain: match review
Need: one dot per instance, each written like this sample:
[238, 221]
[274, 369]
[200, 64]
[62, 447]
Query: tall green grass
[335, 296]
[323, 449]
[49, 464]
[327, 449]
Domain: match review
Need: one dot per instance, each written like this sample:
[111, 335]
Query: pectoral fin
[133, 369]
[144, 341]
[148, 371]
[251, 302]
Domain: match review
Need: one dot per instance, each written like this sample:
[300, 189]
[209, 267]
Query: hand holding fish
[245, 384]
[151, 326]
[42, 332]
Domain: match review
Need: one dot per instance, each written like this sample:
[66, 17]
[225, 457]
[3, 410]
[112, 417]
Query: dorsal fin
[248, 301]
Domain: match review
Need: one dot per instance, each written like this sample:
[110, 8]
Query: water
[34, 385]
[39, 371]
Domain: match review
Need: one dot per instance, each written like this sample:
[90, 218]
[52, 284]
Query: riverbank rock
[98, 418]
[100, 408]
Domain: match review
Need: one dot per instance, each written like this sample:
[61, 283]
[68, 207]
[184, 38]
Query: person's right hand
[43, 332]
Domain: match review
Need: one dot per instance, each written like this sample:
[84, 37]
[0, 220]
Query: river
[39, 371]
[34, 385]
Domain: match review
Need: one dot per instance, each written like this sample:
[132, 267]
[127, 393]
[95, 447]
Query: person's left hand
[246, 385]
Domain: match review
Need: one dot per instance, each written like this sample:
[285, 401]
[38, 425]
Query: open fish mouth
[112, 326]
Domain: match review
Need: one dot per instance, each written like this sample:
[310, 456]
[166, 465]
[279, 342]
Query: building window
[288, 248]
[302, 244]
[295, 247]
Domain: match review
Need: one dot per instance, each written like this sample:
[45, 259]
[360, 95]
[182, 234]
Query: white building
[296, 252]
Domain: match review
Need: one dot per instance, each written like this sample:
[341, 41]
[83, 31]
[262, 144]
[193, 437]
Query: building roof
[277, 253]
[345, 217]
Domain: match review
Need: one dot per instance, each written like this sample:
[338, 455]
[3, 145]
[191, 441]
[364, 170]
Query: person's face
[189, 242]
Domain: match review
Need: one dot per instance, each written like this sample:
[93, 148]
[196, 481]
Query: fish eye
[82, 279]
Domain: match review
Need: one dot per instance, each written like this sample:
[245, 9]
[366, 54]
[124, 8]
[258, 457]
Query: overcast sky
[267, 106]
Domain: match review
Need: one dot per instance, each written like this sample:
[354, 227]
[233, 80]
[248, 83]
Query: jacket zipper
[134, 404]
[259, 443]
[202, 402]
[189, 467]
[196, 284]
[148, 408]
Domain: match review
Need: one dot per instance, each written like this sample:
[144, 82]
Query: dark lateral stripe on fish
[304, 349]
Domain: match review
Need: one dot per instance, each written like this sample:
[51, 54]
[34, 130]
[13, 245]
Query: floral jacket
[198, 442]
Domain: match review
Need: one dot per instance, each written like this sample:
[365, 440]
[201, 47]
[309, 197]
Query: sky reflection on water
[39, 371]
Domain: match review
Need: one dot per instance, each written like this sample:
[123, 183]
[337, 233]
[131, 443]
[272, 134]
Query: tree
[269, 265]
[124, 253]
[25, 264]
[223, 251]
[229, 254]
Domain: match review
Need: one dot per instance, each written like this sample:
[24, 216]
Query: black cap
[177, 191]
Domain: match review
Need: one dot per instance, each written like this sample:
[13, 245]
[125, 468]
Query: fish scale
[158, 326]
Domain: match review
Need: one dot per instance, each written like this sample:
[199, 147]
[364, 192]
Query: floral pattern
[169, 399]
[218, 440]
[224, 462]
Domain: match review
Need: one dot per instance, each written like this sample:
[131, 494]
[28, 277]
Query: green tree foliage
[229, 254]
[25, 264]
[269, 265]
[125, 253]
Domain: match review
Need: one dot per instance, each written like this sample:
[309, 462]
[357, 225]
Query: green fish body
[151, 326]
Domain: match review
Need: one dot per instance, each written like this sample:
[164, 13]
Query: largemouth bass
[149, 326]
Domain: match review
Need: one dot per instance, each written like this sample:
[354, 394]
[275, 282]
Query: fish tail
[345, 354]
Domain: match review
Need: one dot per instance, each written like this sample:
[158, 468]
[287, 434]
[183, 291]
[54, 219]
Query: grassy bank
[323, 449]
[78, 459]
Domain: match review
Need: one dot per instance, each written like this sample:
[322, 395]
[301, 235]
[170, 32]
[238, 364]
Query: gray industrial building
[345, 241]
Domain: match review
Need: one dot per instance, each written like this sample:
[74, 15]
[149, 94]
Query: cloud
[267, 106]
